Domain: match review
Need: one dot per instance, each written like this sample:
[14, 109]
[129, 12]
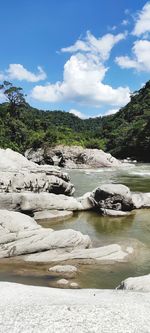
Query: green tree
[14, 95]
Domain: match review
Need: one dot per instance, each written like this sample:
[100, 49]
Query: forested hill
[127, 133]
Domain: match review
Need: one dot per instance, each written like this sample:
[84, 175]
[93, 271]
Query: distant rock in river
[18, 174]
[72, 157]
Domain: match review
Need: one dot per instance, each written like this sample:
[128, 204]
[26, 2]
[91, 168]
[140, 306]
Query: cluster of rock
[45, 192]
[21, 235]
[18, 175]
[72, 157]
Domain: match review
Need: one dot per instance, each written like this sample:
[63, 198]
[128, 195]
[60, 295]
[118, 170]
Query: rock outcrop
[32, 202]
[41, 309]
[20, 234]
[72, 157]
[109, 253]
[52, 215]
[17, 174]
[140, 283]
[109, 198]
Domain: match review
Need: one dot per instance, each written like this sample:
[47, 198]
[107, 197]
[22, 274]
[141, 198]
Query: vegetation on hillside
[127, 133]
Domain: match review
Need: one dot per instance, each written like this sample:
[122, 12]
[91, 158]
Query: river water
[134, 228]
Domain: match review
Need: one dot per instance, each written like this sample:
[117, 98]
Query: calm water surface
[103, 230]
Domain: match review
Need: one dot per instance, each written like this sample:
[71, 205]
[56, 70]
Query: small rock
[74, 285]
[62, 282]
[52, 215]
[111, 212]
[63, 269]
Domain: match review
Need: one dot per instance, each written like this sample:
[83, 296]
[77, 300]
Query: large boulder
[107, 254]
[20, 234]
[140, 283]
[141, 200]
[115, 197]
[17, 174]
[34, 202]
[73, 157]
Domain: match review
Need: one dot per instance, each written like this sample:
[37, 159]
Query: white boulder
[20, 234]
[17, 174]
[141, 200]
[110, 253]
[140, 283]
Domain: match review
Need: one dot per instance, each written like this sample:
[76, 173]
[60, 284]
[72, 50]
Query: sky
[81, 56]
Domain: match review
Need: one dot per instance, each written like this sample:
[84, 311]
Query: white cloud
[19, 72]
[83, 75]
[2, 97]
[112, 28]
[78, 114]
[140, 59]
[142, 24]
[2, 77]
[125, 22]
[106, 113]
[111, 111]
[100, 47]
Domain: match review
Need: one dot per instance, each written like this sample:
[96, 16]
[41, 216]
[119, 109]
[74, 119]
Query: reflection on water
[102, 231]
[108, 230]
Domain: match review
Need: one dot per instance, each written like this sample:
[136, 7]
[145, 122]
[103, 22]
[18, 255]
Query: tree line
[124, 134]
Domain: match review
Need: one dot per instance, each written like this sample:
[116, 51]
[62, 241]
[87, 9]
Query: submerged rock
[62, 282]
[140, 283]
[111, 212]
[63, 269]
[73, 157]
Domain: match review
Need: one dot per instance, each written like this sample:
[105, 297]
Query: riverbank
[37, 309]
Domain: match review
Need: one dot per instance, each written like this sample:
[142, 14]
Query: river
[102, 230]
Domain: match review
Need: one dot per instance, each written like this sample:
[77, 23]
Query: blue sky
[81, 56]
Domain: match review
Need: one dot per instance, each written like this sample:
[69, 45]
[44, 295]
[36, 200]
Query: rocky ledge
[17, 175]
[72, 157]
[20, 235]
[40, 309]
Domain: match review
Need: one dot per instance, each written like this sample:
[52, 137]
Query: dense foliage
[127, 133]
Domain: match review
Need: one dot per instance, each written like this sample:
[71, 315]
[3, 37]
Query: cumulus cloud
[78, 114]
[142, 24]
[2, 76]
[20, 73]
[140, 57]
[101, 47]
[83, 75]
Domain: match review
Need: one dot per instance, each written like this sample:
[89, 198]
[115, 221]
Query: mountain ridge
[123, 134]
